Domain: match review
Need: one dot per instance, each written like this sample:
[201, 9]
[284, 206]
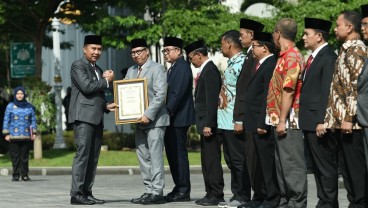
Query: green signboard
[22, 57]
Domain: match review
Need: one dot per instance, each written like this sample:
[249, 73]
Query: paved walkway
[53, 191]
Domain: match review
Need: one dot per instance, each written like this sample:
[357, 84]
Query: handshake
[109, 75]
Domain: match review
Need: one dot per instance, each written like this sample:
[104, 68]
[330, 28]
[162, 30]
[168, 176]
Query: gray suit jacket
[157, 88]
[362, 100]
[87, 102]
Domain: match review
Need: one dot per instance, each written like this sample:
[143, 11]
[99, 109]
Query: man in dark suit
[180, 106]
[254, 122]
[362, 100]
[315, 90]
[206, 100]
[86, 115]
[150, 131]
[252, 172]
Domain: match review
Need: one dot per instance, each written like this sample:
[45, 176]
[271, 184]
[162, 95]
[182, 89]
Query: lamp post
[59, 140]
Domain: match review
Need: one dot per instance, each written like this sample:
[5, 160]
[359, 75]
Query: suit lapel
[314, 63]
[145, 68]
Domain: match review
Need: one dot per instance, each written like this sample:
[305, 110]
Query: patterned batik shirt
[228, 92]
[342, 102]
[287, 74]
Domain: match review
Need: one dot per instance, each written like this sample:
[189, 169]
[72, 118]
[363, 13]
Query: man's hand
[109, 75]
[111, 106]
[33, 137]
[143, 120]
[320, 130]
[346, 127]
[238, 128]
[261, 131]
[7, 137]
[207, 131]
[281, 128]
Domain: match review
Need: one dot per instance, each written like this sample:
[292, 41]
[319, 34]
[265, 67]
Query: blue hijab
[21, 103]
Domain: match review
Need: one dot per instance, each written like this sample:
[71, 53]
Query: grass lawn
[58, 158]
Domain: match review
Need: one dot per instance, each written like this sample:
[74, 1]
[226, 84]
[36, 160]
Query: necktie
[257, 66]
[139, 71]
[310, 59]
[196, 79]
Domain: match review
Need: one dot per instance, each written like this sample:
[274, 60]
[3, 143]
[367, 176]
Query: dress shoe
[177, 197]
[25, 178]
[251, 204]
[210, 201]
[198, 201]
[138, 200]
[153, 199]
[97, 201]
[15, 178]
[79, 199]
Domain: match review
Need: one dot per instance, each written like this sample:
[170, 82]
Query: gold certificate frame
[132, 100]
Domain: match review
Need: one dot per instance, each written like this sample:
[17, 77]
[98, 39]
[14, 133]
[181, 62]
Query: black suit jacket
[87, 101]
[316, 89]
[256, 96]
[244, 78]
[206, 97]
[179, 101]
[362, 99]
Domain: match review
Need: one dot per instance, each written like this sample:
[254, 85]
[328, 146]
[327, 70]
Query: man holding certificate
[179, 104]
[151, 125]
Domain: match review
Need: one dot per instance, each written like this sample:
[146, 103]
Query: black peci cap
[263, 36]
[251, 25]
[193, 46]
[319, 24]
[173, 41]
[364, 9]
[135, 43]
[93, 39]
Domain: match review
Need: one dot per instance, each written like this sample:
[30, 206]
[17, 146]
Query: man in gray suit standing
[88, 104]
[150, 131]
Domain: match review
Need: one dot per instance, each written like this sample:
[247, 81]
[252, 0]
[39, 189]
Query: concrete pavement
[117, 189]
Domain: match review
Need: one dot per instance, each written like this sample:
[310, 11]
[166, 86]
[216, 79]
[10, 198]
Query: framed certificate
[132, 100]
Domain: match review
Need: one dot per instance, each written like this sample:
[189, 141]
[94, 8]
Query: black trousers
[19, 154]
[265, 150]
[211, 166]
[234, 154]
[324, 160]
[254, 168]
[88, 139]
[177, 155]
[352, 166]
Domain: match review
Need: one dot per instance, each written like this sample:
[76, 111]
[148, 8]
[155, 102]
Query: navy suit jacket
[206, 97]
[362, 100]
[179, 101]
[316, 89]
[256, 96]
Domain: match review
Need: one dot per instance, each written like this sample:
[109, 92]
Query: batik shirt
[342, 102]
[228, 92]
[19, 121]
[287, 74]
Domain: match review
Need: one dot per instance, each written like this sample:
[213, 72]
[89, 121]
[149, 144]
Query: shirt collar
[264, 59]
[350, 43]
[203, 65]
[315, 52]
[233, 59]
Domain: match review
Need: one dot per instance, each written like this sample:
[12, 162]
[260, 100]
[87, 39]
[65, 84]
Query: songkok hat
[251, 25]
[364, 10]
[319, 24]
[93, 39]
[135, 43]
[262, 36]
[173, 41]
[193, 46]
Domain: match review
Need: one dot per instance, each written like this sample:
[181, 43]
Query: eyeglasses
[167, 50]
[137, 52]
[364, 24]
[255, 45]
[191, 57]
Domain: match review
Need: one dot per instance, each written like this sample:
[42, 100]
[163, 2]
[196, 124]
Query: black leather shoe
[79, 199]
[178, 197]
[154, 199]
[97, 201]
[198, 201]
[138, 200]
[15, 178]
[211, 201]
[25, 178]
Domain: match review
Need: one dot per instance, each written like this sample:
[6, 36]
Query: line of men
[261, 109]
